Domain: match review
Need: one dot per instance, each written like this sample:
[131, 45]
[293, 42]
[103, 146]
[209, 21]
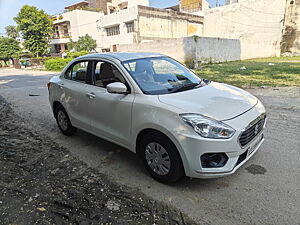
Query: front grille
[250, 133]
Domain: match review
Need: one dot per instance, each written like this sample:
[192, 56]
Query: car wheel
[63, 121]
[161, 158]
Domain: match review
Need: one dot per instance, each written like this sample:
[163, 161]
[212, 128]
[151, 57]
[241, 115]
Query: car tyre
[161, 158]
[63, 121]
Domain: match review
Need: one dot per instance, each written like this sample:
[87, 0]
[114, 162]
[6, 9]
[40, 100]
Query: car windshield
[161, 75]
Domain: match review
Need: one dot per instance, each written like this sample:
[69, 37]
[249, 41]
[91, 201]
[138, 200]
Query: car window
[78, 72]
[106, 73]
[165, 67]
[130, 66]
[161, 75]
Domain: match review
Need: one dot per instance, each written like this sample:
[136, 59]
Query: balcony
[60, 38]
[61, 35]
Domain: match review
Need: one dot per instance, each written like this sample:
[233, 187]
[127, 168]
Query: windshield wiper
[185, 87]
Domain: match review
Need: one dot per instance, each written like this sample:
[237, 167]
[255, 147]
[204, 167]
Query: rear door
[75, 85]
[110, 113]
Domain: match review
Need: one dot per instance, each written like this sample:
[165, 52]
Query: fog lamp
[213, 160]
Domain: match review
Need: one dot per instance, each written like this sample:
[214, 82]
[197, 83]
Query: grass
[283, 71]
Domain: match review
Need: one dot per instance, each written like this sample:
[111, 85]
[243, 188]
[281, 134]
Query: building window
[57, 48]
[130, 27]
[111, 31]
[66, 31]
[56, 31]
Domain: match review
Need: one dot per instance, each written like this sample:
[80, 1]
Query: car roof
[123, 56]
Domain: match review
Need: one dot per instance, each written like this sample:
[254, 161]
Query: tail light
[48, 85]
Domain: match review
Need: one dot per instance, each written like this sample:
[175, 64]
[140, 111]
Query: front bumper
[244, 158]
[193, 146]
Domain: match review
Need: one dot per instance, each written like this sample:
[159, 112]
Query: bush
[40, 60]
[77, 54]
[3, 64]
[57, 64]
[190, 62]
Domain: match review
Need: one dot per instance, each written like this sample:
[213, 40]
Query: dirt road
[41, 183]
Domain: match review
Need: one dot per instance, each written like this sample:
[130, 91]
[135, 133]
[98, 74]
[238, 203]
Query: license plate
[254, 146]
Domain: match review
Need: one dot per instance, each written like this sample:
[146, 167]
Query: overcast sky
[10, 8]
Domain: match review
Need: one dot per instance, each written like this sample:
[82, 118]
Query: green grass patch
[283, 71]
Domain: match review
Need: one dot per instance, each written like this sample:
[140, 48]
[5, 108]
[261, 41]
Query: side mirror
[117, 88]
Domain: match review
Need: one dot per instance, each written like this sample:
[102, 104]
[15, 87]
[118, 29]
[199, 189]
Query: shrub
[190, 62]
[2, 64]
[77, 54]
[40, 60]
[57, 64]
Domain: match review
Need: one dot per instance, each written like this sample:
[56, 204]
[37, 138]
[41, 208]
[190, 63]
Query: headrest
[143, 66]
[106, 71]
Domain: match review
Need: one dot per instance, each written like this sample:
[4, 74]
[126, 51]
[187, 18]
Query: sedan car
[178, 123]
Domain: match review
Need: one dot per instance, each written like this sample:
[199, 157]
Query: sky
[10, 8]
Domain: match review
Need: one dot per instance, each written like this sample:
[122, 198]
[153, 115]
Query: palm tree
[11, 31]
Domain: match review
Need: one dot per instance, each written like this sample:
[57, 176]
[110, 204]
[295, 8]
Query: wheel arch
[168, 135]
[55, 105]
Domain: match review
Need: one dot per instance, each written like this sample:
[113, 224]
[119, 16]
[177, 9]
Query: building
[82, 4]
[99, 4]
[195, 7]
[264, 29]
[118, 5]
[138, 24]
[111, 6]
[190, 5]
[258, 26]
[227, 2]
[71, 25]
[115, 22]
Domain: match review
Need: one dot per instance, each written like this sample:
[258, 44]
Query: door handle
[61, 86]
[91, 95]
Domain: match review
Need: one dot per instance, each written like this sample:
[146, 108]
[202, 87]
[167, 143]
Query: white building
[138, 24]
[72, 25]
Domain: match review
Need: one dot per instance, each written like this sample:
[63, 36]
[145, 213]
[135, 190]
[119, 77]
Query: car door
[75, 89]
[110, 113]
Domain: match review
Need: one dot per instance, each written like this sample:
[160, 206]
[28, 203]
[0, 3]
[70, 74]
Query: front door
[110, 113]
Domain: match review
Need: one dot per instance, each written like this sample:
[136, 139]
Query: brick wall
[102, 4]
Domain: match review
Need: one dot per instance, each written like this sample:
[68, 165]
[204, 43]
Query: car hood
[215, 100]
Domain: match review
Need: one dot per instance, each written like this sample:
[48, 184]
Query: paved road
[266, 190]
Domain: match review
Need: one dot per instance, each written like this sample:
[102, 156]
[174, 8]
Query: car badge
[256, 129]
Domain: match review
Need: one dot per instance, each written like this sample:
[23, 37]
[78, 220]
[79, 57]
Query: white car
[178, 123]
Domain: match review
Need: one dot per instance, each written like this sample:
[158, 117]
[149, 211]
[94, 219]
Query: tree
[71, 45]
[11, 31]
[35, 27]
[9, 49]
[84, 43]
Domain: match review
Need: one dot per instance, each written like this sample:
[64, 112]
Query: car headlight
[207, 127]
